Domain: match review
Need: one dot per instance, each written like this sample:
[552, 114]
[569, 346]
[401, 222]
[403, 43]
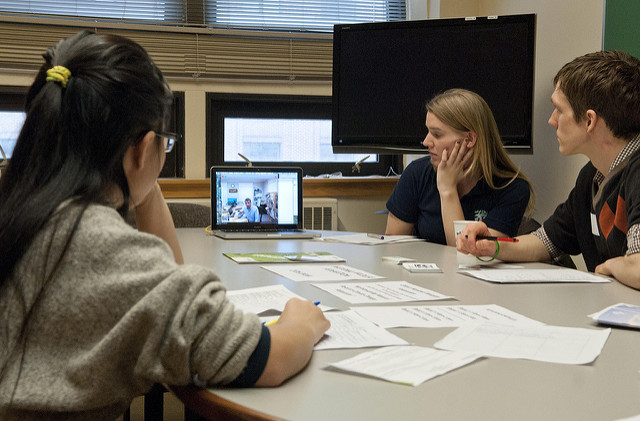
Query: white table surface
[488, 389]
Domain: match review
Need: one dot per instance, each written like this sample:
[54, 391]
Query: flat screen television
[384, 73]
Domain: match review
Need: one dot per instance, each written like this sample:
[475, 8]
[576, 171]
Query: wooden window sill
[312, 187]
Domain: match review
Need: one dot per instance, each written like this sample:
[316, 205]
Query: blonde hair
[464, 111]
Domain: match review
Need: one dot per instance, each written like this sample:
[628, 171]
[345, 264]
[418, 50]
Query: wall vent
[320, 214]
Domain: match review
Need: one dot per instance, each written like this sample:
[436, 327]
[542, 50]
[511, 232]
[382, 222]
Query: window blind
[250, 39]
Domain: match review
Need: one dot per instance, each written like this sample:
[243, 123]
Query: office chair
[185, 215]
[190, 215]
[153, 404]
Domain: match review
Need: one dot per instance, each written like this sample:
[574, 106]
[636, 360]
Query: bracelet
[494, 254]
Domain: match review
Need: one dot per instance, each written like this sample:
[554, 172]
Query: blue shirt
[416, 200]
[251, 214]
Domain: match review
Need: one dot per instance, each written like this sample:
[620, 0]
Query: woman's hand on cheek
[453, 167]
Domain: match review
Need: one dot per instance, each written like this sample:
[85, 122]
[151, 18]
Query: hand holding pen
[468, 242]
[488, 237]
[274, 321]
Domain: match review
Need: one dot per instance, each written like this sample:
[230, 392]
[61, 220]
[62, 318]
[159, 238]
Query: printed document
[320, 272]
[350, 330]
[564, 345]
[408, 365]
[380, 292]
[262, 299]
[442, 316]
[367, 239]
[509, 276]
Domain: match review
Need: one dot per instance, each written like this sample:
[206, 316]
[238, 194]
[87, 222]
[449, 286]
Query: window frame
[221, 105]
[13, 98]
[174, 163]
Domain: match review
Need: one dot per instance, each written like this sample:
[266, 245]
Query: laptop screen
[257, 198]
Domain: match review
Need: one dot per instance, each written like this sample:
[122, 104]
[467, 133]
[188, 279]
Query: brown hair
[607, 82]
[465, 111]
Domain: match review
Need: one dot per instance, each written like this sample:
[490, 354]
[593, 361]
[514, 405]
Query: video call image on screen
[266, 198]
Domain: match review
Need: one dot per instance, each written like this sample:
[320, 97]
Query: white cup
[465, 260]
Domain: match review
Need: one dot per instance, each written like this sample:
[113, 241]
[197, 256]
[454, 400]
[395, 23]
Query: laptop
[257, 203]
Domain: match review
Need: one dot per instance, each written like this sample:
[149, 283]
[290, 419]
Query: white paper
[262, 299]
[380, 292]
[415, 267]
[442, 316]
[319, 272]
[409, 365]
[496, 264]
[632, 418]
[350, 330]
[365, 239]
[506, 276]
[565, 345]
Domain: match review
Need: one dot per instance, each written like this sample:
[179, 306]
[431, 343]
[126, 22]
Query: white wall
[565, 29]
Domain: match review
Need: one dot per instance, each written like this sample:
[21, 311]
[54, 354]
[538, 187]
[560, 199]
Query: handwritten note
[262, 299]
[350, 330]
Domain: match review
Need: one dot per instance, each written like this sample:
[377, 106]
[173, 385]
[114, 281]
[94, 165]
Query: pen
[274, 321]
[378, 236]
[486, 237]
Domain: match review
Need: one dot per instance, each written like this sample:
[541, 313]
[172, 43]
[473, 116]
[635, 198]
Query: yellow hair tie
[58, 74]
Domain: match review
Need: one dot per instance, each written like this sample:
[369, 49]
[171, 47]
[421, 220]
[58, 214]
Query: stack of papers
[619, 315]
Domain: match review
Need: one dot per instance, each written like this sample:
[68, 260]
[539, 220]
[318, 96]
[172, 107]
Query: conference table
[487, 389]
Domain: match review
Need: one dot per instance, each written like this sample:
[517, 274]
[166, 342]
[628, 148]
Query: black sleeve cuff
[257, 362]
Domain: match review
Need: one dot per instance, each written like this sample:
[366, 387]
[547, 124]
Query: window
[174, 163]
[309, 15]
[305, 15]
[250, 39]
[281, 130]
[12, 118]
[10, 124]
[167, 11]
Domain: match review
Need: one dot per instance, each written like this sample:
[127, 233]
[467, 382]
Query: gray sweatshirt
[117, 316]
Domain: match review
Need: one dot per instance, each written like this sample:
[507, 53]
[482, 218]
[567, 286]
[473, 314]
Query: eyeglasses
[169, 139]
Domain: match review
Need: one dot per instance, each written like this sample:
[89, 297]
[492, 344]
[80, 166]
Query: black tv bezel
[400, 145]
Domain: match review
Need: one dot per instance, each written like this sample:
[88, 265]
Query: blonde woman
[467, 175]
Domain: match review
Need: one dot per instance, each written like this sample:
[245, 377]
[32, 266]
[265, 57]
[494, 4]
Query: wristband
[494, 254]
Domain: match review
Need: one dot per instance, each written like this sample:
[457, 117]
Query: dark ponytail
[71, 148]
[74, 137]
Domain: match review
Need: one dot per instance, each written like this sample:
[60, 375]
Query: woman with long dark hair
[92, 311]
